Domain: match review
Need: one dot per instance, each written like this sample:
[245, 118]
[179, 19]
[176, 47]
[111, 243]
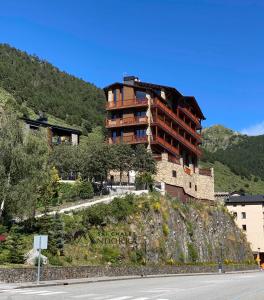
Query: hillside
[7, 101]
[135, 230]
[238, 159]
[42, 87]
[218, 137]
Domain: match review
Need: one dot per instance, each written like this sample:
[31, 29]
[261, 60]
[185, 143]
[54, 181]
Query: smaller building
[56, 134]
[248, 212]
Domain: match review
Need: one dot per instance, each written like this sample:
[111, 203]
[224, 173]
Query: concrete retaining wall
[57, 273]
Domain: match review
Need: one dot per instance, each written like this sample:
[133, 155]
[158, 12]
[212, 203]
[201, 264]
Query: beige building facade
[248, 212]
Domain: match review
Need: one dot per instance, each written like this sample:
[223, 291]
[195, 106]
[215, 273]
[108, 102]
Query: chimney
[130, 79]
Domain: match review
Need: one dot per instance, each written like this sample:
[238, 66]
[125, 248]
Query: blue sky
[211, 49]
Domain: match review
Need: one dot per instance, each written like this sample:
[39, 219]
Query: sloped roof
[45, 124]
[245, 199]
[190, 100]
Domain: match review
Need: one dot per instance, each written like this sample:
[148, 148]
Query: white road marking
[34, 292]
[103, 297]
[84, 295]
[17, 290]
[51, 293]
[121, 298]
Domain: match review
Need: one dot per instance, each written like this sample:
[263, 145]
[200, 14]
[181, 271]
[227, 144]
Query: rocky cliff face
[162, 230]
[193, 232]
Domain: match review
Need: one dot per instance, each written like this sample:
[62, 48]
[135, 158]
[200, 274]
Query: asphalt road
[206, 287]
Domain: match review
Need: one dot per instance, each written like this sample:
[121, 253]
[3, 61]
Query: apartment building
[169, 125]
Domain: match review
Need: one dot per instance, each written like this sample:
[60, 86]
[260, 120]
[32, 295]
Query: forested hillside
[42, 87]
[238, 159]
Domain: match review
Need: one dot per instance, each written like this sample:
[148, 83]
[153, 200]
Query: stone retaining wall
[60, 273]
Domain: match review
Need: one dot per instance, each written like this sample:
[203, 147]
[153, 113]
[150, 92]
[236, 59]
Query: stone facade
[64, 273]
[178, 180]
[189, 179]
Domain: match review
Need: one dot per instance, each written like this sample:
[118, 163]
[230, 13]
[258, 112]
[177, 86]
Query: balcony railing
[177, 136]
[171, 114]
[163, 143]
[133, 139]
[127, 103]
[126, 121]
[190, 115]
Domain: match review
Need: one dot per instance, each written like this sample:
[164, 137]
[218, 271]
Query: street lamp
[258, 257]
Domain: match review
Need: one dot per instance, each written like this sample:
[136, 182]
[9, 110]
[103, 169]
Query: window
[243, 215]
[140, 95]
[122, 94]
[174, 174]
[244, 227]
[190, 185]
[141, 133]
[114, 136]
[115, 96]
[235, 215]
[195, 188]
[141, 113]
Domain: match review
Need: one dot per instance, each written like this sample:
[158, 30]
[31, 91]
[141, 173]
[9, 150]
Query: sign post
[40, 242]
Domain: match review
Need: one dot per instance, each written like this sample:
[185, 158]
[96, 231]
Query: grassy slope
[43, 87]
[8, 101]
[227, 181]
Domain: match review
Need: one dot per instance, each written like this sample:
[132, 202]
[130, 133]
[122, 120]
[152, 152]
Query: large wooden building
[160, 117]
[157, 115]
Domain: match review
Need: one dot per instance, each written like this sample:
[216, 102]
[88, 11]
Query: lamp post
[258, 257]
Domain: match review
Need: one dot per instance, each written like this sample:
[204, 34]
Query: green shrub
[156, 206]
[80, 189]
[110, 254]
[95, 215]
[137, 256]
[15, 245]
[55, 260]
[68, 259]
[144, 181]
[193, 254]
[86, 190]
[121, 208]
[4, 256]
[189, 226]
[181, 257]
[65, 190]
[165, 229]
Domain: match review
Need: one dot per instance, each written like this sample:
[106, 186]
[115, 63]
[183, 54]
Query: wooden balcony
[132, 139]
[128, 121]
[126, 104]
[176, 119]
[177, 136]
[190, 115]
[160, 141]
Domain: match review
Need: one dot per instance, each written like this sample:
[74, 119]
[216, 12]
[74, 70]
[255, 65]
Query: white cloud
[257, 129]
